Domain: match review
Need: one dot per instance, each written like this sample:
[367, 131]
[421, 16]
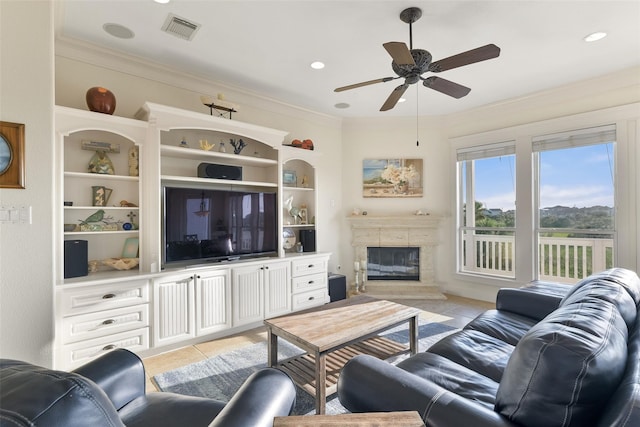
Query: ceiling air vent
[180, 27]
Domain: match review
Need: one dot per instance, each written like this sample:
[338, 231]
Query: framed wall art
[289, 178]
[392, 178]
[11, 155]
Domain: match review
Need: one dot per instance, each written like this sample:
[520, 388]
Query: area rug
[221, 376]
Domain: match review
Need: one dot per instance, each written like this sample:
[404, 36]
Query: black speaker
[337, 287]
[308, 240]
[213, 170]
[75, 258]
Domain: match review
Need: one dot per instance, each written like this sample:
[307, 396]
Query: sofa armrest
[368, 384]
[119, 373]
[536, 300]
[266, 394]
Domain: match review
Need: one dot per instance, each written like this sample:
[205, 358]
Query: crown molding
[89, 53]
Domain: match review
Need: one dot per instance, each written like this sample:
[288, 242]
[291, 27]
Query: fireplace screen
[391, 263]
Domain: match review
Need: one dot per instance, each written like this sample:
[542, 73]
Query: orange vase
[101, 100]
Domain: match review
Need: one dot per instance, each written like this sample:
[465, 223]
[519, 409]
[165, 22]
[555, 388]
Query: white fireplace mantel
[398, 231]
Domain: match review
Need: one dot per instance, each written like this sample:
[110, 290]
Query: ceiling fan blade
[465, 58]
[370, 82]
[392, 100]
[400, 53]
[447, 87]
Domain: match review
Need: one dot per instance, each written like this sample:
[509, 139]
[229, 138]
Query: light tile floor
[455, 311]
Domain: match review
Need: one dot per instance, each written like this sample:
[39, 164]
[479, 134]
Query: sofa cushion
[506, 326]
[452, 377]
[475, 350]
[617, 286]
[564, 369]
[34, 396]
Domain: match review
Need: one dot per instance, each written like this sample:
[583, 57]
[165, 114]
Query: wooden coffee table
[333, 334]
[367, 419]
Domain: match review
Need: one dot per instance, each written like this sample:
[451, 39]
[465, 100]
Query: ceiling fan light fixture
[593, 37]
[317, 65]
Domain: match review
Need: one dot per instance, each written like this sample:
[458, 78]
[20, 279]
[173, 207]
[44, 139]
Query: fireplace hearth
[407, 266]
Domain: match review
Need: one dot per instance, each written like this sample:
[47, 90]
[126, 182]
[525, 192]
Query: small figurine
[133, 161]
[237, 145]
[222, 148]
[101, 163]
[204, 144]
[184, 143]
[97, 216]
[125, 204]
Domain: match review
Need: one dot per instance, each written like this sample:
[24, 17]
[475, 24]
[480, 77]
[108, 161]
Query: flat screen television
[207, 225]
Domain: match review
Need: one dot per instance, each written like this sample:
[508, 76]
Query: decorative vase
[101, 100]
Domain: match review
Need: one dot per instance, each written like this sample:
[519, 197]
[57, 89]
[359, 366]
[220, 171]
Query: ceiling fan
[410, 64]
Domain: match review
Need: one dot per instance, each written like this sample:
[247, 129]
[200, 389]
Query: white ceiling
[267, 46]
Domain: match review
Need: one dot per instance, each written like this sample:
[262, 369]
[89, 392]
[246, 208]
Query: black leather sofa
[548, 355]
[110, 391]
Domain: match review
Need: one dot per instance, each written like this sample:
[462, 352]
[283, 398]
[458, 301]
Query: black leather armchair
[110, 391]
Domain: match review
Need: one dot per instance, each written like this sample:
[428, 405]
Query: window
[575, 203]
[486, 209]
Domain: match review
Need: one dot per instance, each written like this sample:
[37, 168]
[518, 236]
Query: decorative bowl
[121, 263]
[70, 227]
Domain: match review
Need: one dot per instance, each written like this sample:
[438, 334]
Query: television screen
[210, 225]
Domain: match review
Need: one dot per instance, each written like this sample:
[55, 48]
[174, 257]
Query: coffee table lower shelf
[302, 369]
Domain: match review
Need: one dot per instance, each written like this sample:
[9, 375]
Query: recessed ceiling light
[342, 105]
[595, 36]
[162, 1]
[317, 65]
[119, 31]
[401, 100]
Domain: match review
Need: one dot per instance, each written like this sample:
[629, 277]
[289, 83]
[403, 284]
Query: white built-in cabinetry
[150, 307]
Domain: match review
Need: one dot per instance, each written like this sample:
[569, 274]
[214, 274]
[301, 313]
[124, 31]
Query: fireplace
[393, 263]
[399, 253]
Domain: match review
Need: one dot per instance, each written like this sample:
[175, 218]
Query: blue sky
[576, 177]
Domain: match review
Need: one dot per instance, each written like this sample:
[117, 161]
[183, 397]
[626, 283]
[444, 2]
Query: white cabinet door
[248, 294]
[213, 301]
[277, 287]
[173, 309]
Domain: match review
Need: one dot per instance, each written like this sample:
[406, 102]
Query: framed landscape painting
[392, 178]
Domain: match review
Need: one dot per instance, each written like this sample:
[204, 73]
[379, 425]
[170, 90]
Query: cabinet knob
[108, 296]
[198, 277]
[312, 298]
[266, 267]
[109, 347]
[311, 282]
[108, 322]
[310, 266]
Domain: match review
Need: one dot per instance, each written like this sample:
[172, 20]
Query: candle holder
[363, 270]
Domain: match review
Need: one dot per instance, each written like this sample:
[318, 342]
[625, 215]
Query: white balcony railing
[563, 260]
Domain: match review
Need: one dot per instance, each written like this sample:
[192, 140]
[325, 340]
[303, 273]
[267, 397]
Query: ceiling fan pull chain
[417, 117]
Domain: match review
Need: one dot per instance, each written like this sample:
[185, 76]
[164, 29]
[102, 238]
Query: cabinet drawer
[74, 355]
[101, 323]
[309, 282]
[97, 298]
[309, 299]
[301, 267]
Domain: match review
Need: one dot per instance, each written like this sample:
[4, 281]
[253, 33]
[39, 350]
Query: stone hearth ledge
[399, 231]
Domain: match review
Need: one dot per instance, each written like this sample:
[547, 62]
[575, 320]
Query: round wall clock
[6, 155]
[288, 238]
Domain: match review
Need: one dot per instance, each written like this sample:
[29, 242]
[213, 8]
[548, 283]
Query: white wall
[26, 85]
